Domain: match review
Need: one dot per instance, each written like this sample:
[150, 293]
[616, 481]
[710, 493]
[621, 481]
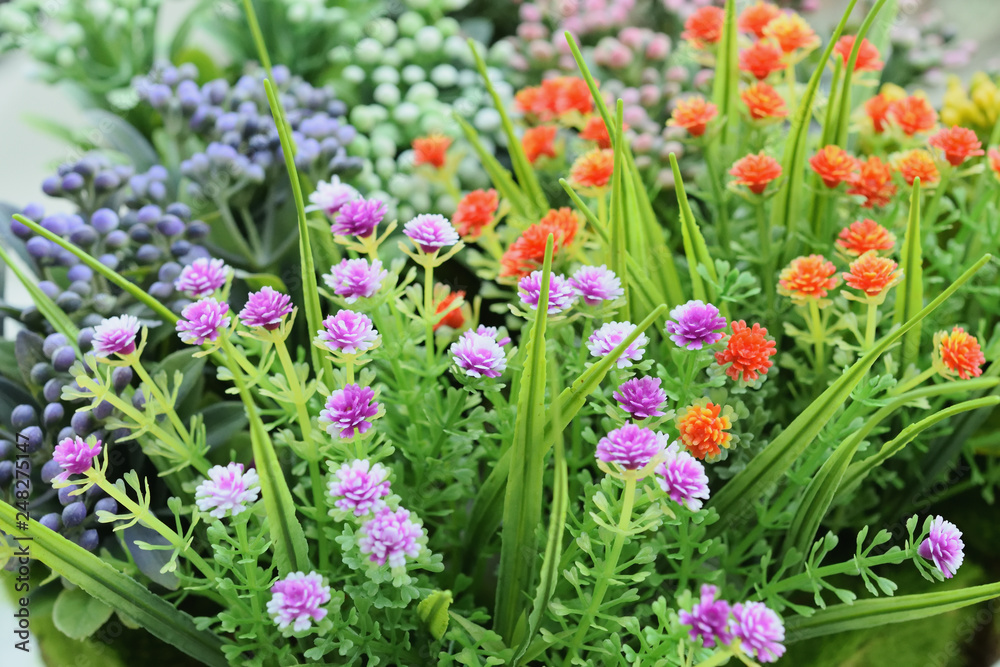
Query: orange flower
[917, 163]
[960, 353]
[555, 97]
[756, 17]
[703, 429]
[761, 59]
[454, 319]
[958, 144]
[529, 100]
[877, 108]
[807, 278]
[595, 130]
[593, 169]
[994, 156]
[763, 101]
[833, 164]
[431, 150]
[792, 33]
[868, 55]
[913, 114]
[873, 182]
[539, 141]
[528, 252]
[693, 114]
[864, 235]
[872, 274]
[748, 351]
[756, 171]
[704, 26]
[475, 211]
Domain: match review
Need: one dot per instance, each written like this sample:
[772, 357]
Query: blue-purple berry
[74, 514]
[52, 521]
[23, 416]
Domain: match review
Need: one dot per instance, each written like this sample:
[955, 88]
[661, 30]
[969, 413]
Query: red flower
[807, 278]
[868, 55]
[475, 211]
[593, 169]
[693, 114]
[755, 18]
[595, 130]
[762, 58]
[834, 165]
[877, 108]
[763, 101]
[960, 353]
[874, 182]
[704, 26]
[528, 252]
[454, 319]
[917, 164]
[539, 141]
[791, 32]
[872, 274]
[555, 97]
[756, 171]
[431, 150]
[748, 352]
[864, 235]
[913, 114]
[994, 156]
[958, 144]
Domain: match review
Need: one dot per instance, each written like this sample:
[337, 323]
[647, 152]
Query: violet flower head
[641, 397]
[333, 196]
[202, 277]
[347, 332]
[610, 335]
[356, 278]
[694, 325]
[349, 410]
[74, 456]
[562, 296]
[391, 537]
[479, 355]
[708, 619]
[431, 232]
[227, 491]
[202, 320]
[266, 309]
[683, 478]
[493, 333]
[943, 546]
[358, 218]
[359, 487]
[595, 284]
[759, 630]
[115, 335]
[296, 600]
[630, 446]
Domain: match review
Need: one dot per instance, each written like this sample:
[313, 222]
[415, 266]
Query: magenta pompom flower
[391, 536]
[347, 332]
[595, 284]
[431, 232]
[479, 355]
[116, 335]
[641, 397]
[202, 277]
[708, 619]
[349, 410]
[358, 218]
[694, 325]
[201, 321]
[759, 630]
[331, 197]
[610, 335]
[630, 446]
[359, 487]
[227, 491]
[265, 309]
[296, 600]
[493, 333]
[682, 477]
[562, 296]
[75, 456]
[355, 278]
[944, 546]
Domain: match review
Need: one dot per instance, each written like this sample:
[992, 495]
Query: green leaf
[121, 136]
[499, 176]
[844, 115]
[185, 363]
[619, 241]
[223, 420]
[53, 314]
[433, 611]
[695, 248]
[78, 615]
[725, 90]
[910, 292]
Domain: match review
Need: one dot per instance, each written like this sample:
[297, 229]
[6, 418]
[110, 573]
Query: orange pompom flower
[539, 141]
[872, 274]
[756, 171]
[704, 26]
[596, 131]
[475, 211]
[877, 108]
[994, 157]
[958, 144]
[455, 318]
[593, 169]
[761, 59]
[431, 150]
[748, 352]
[958, 352]
[763, 101]
[917, 164]
[528, 252]
[693, 114]
[792, 33]
[834, 165]
[913, 114]
[864, 235]
[809, 277]
[868, 55]
[873, 182]
[755, 18]
[555, 97]
[703, 428]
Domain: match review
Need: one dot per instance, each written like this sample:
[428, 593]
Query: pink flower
[431, 232]
[266, 309]
[391, 536]
[348, 410]
[227, 491]
[610, 335]
[75, 457]
[759, 630]
[202, 277]
[641, 397]
[358, 218]
[595, 284]
[331, 197]
[201, 321]
[359, 487]
[708, 618]
[116, 335]
[683, 478]
[479, 354]
[632, 447]
[296, 600]
[562, 296]
[347, 332]
[355, 278]
[944, 546]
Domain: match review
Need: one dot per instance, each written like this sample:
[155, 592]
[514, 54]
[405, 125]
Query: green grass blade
[695, 248]
[499, 176]
[725, 89]
[619, 240]
[47, 307]
[844, 115]
[602, 107]
[910, 292]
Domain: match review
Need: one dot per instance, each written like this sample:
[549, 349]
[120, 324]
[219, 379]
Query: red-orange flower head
[868, 56]
[958, 144]
[748, 352]
[792, 33]
[431, 150]
[873, 182]
[755, 18]
[809, 277]
[596, 131]
[834, 165]
[913, 114]
[593, 169]
[917, 164]
[475, 211]
[756, 171]
[762, 58]
[539, 141]
[703, 428]
[555, 97]
[872, 274]
[994, 156]
[528, 252]
[959, 353]
[704, 26]
[763, 101]
[693, 114]
[877, 108]
[454, 319]
[864, 235]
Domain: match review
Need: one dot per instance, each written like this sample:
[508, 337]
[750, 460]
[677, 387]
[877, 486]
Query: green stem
[319, 502]
[818, 334]
[168, 408]
[722, 211]
[931, 214]
[298, 396]
[913, 382]
[790, 80]
[429, 314]
[250, 565]
[764, 232]
[800, 581]
[870, 322]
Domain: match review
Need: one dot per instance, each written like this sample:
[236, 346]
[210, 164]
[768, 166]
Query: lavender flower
[610, 335]
[944, 547]
[266, 309]
[479, 355]
[347, 332]
[696, 324]
[202, 277]
[296, 600]
[75, 457]
[595, 284]
[348, 410]
[562, 296]
[759, 630]
[115, 335]
[630, 446]
[683, 478]
[355, 278]
[493, 333]
[431, 232]
[227, 491]
[201, 321]
[359, 487]
[641, 397]
[333, 196]
[708, 618]
[358, 218]
[391, 536]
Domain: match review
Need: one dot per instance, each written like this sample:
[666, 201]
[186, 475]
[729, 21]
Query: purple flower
[944, 546]
[201, 321]
[696, 324]
[333, 196]
[296, 600]
[708, 618]
[265, 309]
[562, 296]
[759, 630]
[227, 491]
[391, 536]
[202, 277]
[75, 457]
[347, 332]
[630, 446]
[359, 487]
[431, 232]
[683, 478]
[610, 335]
[479, 355]
[355, 278]
[358, 218]
[595, 284]
[348, 410]
[641, 397]
[115, 335]
[493, 333]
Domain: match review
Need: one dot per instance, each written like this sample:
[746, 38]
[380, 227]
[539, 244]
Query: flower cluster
[713, 621]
